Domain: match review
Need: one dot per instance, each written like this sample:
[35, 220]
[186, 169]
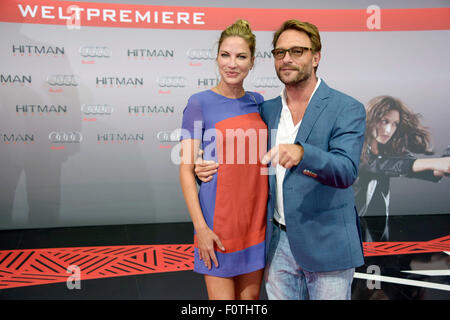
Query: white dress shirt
[286, 134]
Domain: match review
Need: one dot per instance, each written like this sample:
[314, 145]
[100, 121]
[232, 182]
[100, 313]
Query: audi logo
[172, 82]
[167, 136]
[63, 80]
[201, 54]
[97, 109]
[266, 82]
[95, 52]
[65, 137]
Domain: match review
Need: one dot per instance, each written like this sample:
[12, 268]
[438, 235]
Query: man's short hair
[306, 27]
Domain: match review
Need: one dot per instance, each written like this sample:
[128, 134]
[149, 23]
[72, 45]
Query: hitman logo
[120, 138]
[16, 138]
[150, 110]
[32, 109]
[207, 82]
[8, 79]
[119, 82]
[31, 50]
[263, 55]
[149, 54]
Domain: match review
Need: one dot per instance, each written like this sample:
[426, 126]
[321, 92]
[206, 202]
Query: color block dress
[234, 202]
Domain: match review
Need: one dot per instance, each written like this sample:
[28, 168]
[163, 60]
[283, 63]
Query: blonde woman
[229, 211]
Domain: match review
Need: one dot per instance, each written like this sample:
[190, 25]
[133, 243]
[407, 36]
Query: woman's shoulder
[257, 96]
[201, 94]
[200, 98]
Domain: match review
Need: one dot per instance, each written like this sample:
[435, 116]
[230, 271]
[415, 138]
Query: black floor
[186, 285]
[172, 285]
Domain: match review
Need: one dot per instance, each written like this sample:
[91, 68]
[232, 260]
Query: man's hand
[287, 155]
[204, 170]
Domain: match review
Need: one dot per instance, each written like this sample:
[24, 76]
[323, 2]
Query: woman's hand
[440, 166]
[206, 241]
[204, 170]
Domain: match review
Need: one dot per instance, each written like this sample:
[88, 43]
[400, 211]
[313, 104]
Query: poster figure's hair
[410, 134]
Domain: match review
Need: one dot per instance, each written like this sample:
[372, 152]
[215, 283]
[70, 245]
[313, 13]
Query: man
[313, 233]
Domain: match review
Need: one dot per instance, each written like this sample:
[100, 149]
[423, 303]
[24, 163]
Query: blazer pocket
[328, 198]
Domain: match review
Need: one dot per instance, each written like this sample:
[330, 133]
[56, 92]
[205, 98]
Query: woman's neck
[229, 91]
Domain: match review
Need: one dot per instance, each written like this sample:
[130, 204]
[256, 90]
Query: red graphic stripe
[206, 18]
[41, 266]
[395, 248]
[19, 268]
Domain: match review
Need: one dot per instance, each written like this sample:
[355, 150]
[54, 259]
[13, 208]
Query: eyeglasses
[294, 52]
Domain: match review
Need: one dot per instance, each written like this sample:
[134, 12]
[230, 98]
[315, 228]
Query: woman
[393, 133]
[229, 211]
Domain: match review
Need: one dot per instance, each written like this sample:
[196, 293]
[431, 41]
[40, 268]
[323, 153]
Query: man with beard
[317, 133]
[313, 232]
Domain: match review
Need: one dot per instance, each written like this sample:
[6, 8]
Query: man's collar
[283, 94]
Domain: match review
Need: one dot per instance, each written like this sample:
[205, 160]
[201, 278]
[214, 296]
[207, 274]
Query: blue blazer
[319, 204]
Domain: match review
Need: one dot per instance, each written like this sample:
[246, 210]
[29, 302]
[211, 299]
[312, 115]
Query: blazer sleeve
[337, 166]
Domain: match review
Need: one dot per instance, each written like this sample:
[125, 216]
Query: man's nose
[287, 57]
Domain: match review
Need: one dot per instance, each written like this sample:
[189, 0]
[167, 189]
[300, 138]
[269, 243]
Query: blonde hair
[241, 28]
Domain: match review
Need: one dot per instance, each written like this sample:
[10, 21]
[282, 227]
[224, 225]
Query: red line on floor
[29, 267]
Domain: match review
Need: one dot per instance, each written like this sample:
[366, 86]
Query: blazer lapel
[317, 104]
[274, 120]
[275, 117]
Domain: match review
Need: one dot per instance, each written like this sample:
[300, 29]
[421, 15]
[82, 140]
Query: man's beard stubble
[302, 75]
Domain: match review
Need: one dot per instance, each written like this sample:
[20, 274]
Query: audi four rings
[201, 54]
[172, 82]
[266, 82]
[97, 109]
[95, 52]
[169, 136]
[65, 137]
[63, 80]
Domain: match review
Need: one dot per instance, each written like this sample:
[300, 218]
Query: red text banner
[92, 14]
